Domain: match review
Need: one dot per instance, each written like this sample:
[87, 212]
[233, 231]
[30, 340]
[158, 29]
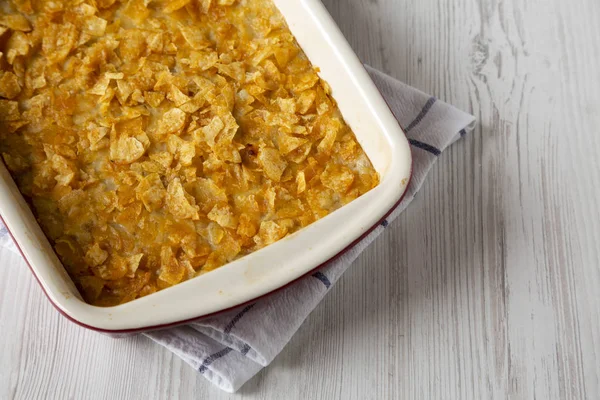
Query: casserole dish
[277, 265]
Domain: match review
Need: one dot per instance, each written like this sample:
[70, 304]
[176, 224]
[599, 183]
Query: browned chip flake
[174, 5]
[58, 41]
[9, 85]
[269, 232]
[222, 214]
[94, 26]
[179, 203]
[95, 256]
[171, 271]
[154, 98]
[173, 121]
[126, 150]
[9, 110]
[272, 163]
[15, 22]
[18, 45]
[151, 192]
[337, 177]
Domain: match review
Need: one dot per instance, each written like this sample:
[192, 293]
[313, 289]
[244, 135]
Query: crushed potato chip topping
[158, 140]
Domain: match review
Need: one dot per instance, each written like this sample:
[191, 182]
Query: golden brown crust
[158, 140]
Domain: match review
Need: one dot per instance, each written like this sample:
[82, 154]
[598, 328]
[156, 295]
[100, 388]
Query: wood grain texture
[487, 287]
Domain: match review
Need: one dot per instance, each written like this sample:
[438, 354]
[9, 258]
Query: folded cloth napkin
[230, 348]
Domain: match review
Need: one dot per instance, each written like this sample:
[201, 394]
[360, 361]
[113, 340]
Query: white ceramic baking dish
[277, 265]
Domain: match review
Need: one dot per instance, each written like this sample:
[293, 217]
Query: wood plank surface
[487, 287]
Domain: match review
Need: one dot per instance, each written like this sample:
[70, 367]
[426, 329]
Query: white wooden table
[488, 286]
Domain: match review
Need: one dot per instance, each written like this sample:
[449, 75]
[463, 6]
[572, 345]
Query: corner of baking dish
[279, 264]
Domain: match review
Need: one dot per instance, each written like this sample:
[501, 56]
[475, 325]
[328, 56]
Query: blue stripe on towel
[421, 115]
[235, 319]
[320, 276]
[424, 146]
[212, 358]
[245, 349]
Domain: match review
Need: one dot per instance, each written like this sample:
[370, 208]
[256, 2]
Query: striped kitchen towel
[230, 348]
